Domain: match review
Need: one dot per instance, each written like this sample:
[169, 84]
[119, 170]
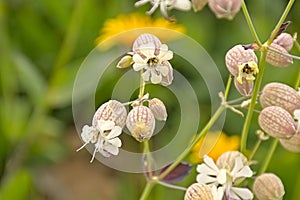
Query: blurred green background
[43, 43]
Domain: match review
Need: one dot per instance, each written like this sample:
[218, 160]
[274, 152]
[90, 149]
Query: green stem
[212, 120]
[228, 86]
[147, 190]
[255, 149]
[250, 24]
[269, 156]
[298, 81]
[258, 81]
[280, 22]
[142, 85]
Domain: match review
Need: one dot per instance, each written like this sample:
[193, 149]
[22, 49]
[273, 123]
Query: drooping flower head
[230, 170]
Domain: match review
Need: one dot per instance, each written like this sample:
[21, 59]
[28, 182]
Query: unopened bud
[279, 94]
[245, 88]
[292, 144]
[285, 40]
[141, 123]
[111, 111]
[145, 38]
[225, 8]
[158, 109]
[125, 62]
[277, 59]
[198, 191]
[268, 186]
[239, 56]
[277, 122]
[199, 4]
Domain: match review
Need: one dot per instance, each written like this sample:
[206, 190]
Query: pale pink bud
[145, 38]
[277, 122]
[158, 109]
[245, 88]
[268, 186]
[199, 4]
[225, 8]
[292, 144]
[276, 59]
[198, 191]
[285, 40]
[141, 123]
[111, 111]
[279, 94]
[241, 62]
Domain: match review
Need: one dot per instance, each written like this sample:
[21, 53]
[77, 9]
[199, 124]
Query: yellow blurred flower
[213, 145]
[136, 24]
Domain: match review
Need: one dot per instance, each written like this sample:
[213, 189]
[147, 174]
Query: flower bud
[111, 111]
[227, 159]
[292, 144]
[279, 94]
[145, 38]
[285, 40]
[241, 61]
[225, 8]
[198, 191]
[125, 62]
[199, 4]
[158, 109]
[277, 122]
[141, 123]
[276, 59]
[245, 88]
[268, 186]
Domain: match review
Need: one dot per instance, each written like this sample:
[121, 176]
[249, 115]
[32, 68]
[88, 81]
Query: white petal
[165, 54]
[244, 193]
[138, 59]
[137, 66]
[115, 142]
[111, 149]
[210, 163]
[146, 75]
[104, 153]
[245, 172]
[148, 50]
[204, 169]
[218, 193]
[222, 176]
[115, 132]
[164, 70]
[184, 5]
[104, 125]
[89, 134]
[238, 165]
[202, 178]
[155, 78]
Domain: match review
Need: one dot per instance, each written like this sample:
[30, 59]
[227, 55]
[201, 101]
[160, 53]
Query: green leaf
[60, 91]
[17, 187]
[30, 78]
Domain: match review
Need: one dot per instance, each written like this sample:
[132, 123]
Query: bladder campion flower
[226, 178]
[104, 136]
[242, 63]
[137, 22]
[214, 145]
[165, 5]
[198, 191]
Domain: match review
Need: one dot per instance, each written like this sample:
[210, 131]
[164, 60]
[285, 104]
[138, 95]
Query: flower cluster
[224, 176]
[151, 57]
[281, 113]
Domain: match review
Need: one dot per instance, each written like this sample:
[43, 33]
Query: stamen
[82, 146]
